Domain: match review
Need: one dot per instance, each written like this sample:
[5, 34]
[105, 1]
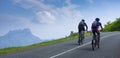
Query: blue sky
[51, 19]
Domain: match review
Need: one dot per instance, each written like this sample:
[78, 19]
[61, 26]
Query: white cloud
[40, 9]
[47, 13]
[33, 5]
[45, 17]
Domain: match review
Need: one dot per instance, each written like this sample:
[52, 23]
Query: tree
[113, 26]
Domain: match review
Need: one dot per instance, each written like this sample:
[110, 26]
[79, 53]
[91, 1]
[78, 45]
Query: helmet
[97, 19]
[83, 20]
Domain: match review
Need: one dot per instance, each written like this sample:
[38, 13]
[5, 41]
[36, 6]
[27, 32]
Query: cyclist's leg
[79, 36]
[94, 37]
[82, 36]
[93, 33]
[98, 33]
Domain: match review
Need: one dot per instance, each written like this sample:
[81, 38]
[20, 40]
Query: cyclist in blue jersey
[95, 28]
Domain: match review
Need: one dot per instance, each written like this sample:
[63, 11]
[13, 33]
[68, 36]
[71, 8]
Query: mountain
[18, 38]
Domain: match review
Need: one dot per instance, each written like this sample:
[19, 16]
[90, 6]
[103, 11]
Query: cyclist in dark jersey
[95, 28]
[81, 28]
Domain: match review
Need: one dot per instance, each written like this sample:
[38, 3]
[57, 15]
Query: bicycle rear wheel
[98, 43]
[93, 44]
[81, 37]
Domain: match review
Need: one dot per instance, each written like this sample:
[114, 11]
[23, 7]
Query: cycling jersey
[81, 26]
[95, 25]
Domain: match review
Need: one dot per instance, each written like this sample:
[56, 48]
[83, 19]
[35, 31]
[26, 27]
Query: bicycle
[95, 42]
[81, 37]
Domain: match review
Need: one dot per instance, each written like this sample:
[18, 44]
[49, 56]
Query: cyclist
[95, 28]
[81, 29]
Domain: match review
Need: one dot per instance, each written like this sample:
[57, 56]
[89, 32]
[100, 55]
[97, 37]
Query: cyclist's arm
[101, 26]
[86, 26]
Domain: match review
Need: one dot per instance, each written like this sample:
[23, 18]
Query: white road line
[78, 47]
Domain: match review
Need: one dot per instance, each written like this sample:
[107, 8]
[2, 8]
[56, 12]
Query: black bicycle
[81, 37]
[95, 42]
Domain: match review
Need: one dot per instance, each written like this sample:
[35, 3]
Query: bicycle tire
[93, 44]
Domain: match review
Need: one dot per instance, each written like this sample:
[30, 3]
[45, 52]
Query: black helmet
[83, 20]
[97, 19]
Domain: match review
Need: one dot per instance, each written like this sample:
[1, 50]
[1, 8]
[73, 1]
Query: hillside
[113, 26]
[18, 38]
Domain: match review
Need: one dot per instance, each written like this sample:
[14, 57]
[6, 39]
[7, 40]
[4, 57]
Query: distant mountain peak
[20, 37]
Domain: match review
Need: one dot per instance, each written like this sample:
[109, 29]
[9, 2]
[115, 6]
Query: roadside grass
[22, 48]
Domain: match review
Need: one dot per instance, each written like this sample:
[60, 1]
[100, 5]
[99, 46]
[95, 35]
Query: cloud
[40, 9]
[47, 13]
[33, 5]
[45, 17]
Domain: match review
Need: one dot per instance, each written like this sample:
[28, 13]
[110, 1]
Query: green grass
[17, 49]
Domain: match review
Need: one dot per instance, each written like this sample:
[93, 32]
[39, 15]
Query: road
[109, 48]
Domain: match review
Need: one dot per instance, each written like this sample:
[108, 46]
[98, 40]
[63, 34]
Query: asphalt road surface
[109, 48]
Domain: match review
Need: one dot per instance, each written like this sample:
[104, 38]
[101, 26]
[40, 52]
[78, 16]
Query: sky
[52, 19]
